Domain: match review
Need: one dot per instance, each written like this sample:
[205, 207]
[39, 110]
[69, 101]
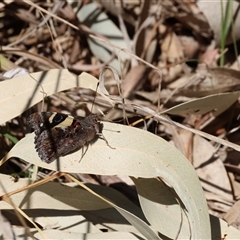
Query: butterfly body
[58, 134]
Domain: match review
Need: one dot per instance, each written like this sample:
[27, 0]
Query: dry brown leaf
[172, 50]
[233, 215]
[207, 82]
[210, 169]
[187, 141]
[235, 185]
[216, 206]
[133, 79]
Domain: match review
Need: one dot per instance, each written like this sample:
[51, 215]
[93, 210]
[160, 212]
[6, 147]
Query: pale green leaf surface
[57, 234]
[56, 196]
[75, 220]
[97, 20]
[63, 220]
[117, 198]
[20, 93]
[82, 221]
[161, 208]
[140, 225]
[110, 219]
[51, 197]
[137, 153]
[20, 233]
[217, 103]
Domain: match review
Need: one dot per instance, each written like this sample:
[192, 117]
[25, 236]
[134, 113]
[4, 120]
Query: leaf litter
[166, 63]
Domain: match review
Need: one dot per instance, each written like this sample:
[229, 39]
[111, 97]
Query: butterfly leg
[84, 152]
[102, 137]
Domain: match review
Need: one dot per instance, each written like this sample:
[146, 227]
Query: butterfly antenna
[94, 97]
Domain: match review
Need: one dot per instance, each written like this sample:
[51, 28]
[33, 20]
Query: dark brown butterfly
[58, 134]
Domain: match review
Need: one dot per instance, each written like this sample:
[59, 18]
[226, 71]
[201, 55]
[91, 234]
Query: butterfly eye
[58, 118]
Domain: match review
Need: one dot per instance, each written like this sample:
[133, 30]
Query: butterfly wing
[59, 134]
[56, 142]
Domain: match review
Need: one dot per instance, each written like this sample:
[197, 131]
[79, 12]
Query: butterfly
[58, 134]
